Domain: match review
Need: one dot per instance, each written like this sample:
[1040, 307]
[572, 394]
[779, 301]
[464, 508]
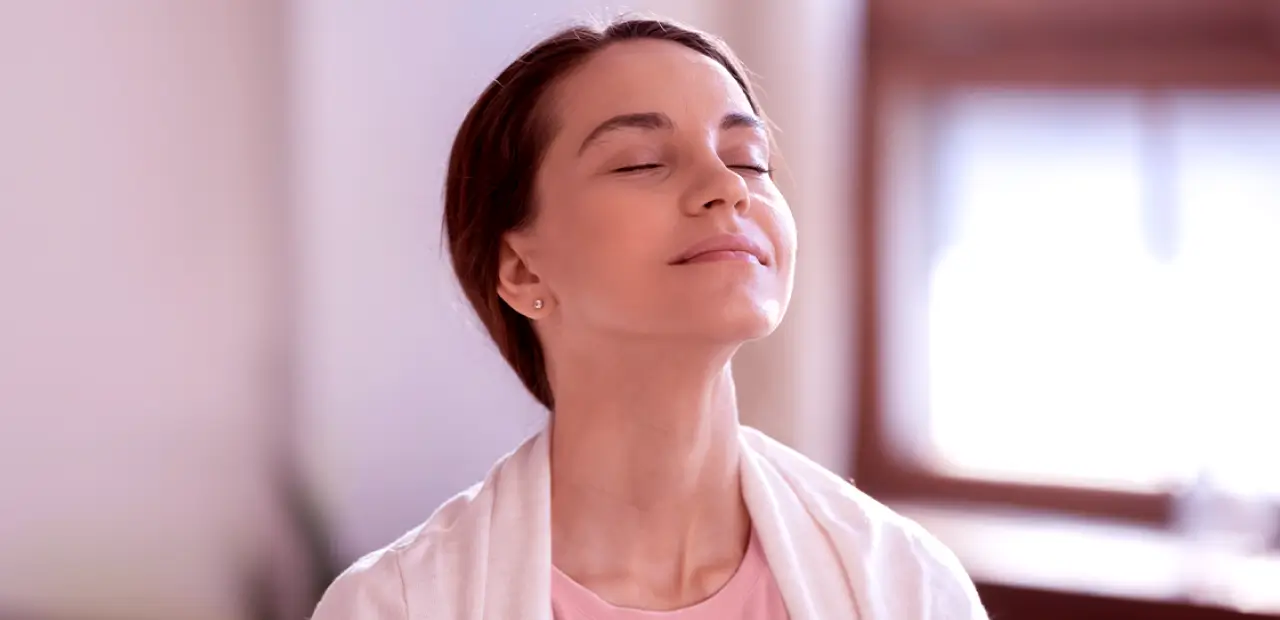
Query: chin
[744, 322]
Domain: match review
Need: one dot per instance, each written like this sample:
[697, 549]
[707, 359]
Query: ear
[519, 285]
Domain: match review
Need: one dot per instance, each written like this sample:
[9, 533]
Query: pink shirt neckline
[728, 602]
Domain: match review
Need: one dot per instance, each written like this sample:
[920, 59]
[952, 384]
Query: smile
[722, 255]
[724, 247]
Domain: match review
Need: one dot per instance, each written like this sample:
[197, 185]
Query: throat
[646, 498]
[647, 528]
[659, 559]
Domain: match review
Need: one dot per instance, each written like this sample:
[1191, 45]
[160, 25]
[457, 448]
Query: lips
[723, 247]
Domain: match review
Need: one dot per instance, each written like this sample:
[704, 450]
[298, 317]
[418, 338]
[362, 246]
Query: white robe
[486, 554]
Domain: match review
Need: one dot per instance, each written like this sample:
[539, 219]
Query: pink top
[750, 594]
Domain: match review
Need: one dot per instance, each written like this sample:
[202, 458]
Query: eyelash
[762, 171]
[644, 167]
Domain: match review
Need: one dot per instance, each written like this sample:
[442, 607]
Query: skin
[647, 508]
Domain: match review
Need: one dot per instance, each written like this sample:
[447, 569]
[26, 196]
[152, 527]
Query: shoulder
[908, 561]
[431, 565]
[374, 587]
[829, 496]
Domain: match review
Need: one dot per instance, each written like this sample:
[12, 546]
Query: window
[1106, 261]
[1070, 237]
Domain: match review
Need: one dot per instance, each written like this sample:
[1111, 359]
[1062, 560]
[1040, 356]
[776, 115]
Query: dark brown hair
[490, 184]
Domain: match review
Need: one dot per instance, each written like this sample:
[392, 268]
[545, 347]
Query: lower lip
[724, 256]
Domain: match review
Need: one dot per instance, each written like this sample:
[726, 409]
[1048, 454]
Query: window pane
[1228, 270]
[1062, 347]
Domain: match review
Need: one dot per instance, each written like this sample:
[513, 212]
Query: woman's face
[656, 215]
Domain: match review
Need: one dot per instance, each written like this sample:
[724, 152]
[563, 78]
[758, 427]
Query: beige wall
[141, 188]
[798, 385]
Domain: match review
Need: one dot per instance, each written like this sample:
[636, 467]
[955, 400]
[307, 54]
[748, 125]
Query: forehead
[646, 76]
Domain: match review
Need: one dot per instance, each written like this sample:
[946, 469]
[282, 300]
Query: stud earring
[537, 304]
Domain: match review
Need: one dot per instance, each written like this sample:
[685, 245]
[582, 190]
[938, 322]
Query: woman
[612, 217]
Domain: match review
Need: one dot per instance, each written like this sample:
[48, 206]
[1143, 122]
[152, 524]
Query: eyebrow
[657, 120]
[742, 120]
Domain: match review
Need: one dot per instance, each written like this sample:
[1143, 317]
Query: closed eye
[757, 170]
[637, 168]
[752, 169]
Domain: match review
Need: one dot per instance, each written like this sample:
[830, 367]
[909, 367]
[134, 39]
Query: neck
[645, 479]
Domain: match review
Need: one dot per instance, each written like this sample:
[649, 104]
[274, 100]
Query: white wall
[408, 402]
[140, 303]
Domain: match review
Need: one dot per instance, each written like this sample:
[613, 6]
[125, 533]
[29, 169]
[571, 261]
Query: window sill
[1098, 557]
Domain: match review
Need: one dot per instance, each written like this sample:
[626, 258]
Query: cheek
[605, 243]
[775, 219]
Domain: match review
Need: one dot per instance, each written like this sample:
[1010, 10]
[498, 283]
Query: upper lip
[727, 242]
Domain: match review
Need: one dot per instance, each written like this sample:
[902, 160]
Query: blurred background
[1037, 309]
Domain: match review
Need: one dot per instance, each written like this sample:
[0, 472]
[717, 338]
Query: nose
[718, 186]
